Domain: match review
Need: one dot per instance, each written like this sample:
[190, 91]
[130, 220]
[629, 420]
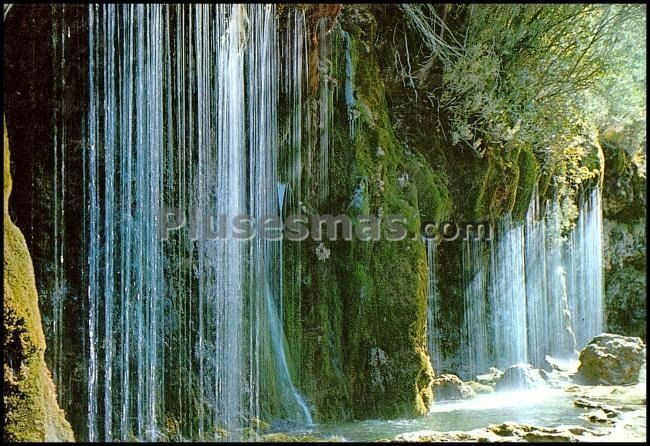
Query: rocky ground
[608, 382]
[619, 414]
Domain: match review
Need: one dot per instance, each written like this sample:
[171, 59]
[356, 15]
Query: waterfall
[537, 284]
[295, 74]
[475, 342]
[550, 329]
[266, 256]
[58, 294]
[584, 270]
[537, 294]
[507, 295]
[325, 107]
[124, 256]
[184, 337]
[433, 307]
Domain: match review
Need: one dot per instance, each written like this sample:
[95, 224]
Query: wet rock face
[450, 387]
[490, 378]
[520, 376]
[625, 277]
[624, 204]
[378, 371]
[611, 359]
[31, 412]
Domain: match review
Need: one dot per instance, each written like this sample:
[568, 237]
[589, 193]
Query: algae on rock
[624, 204]
[31, 410]
[363, 348]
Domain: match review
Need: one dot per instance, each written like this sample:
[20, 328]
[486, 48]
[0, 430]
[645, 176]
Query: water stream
[530, 292]
[542, 408]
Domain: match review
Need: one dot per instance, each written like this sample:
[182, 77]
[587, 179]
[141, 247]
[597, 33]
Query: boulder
[520, 376]
[490, 378]
[450, 387]
[611, 359]
[480, 389]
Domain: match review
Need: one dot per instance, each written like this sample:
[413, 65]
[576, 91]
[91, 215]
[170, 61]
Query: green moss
[368, 296]
[527, 179]
[498, 187]
[616, 159]
[31, 411]
[434, 201]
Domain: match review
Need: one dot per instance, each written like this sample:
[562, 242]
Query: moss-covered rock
[31, 410]
[624, 207]
[529, 174]
[362, 345]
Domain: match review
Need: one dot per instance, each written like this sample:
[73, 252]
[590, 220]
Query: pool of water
[542, 408]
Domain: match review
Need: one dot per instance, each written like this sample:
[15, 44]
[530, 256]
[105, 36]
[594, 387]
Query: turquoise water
[542, 408]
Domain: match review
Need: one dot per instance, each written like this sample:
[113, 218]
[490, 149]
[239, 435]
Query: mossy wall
[358, 337]
[363, 349]
[624, 208]
[31, 410]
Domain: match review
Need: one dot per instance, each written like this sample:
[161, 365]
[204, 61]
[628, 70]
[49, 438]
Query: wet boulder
[520, 376]
[490, 378]
[480, 389]
[450, 387]
[611, 359]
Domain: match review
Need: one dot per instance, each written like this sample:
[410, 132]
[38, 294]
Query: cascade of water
[560, 333]
[93, 235]
[507, 295]
[549, 324]
[263, 180]
[475, 341]
[294, 79]
[584, 268]
[266, 255]
[224, 296]
[324, 71]
[122, 223]
[537, 286]
[544, 296]
[433, 306]
[353, 115]
[183, 331]
[59, 292]
[295, 75]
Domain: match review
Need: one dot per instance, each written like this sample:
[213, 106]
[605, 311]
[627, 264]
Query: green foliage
[529, 74]
[575, 160]
[549, 77]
